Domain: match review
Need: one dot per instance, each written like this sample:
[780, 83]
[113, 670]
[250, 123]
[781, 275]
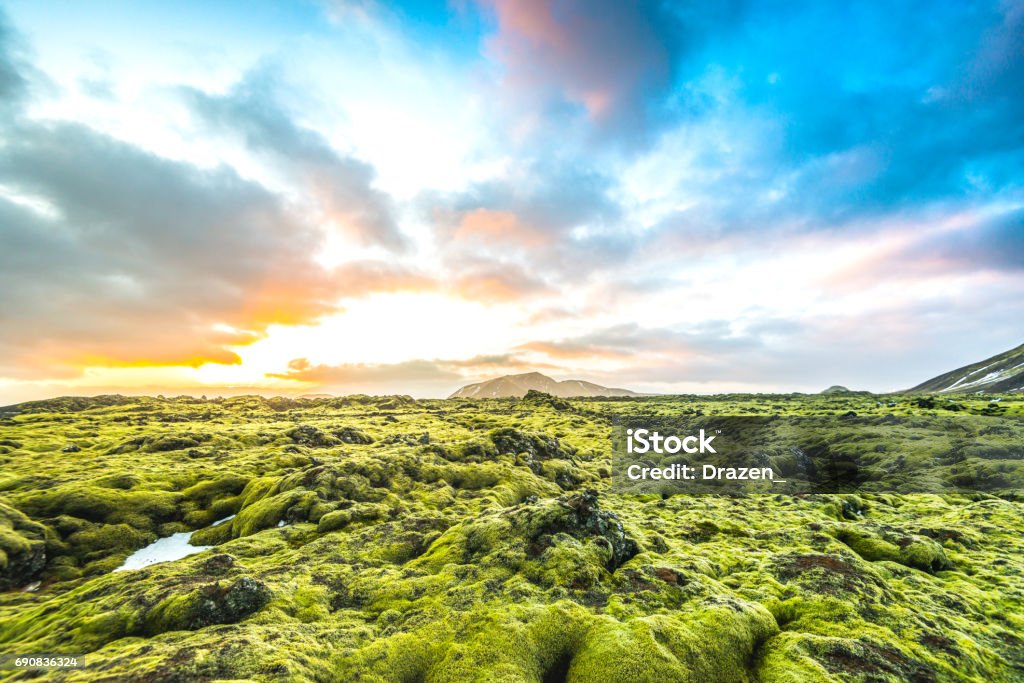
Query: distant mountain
[517, 386]
[998, 374]
[837, 389]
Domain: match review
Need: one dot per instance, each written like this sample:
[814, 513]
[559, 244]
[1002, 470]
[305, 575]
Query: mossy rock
[22, 548]
[537, 445]
[351, 435]
[214, 603]
[313, 437]
[911, 550]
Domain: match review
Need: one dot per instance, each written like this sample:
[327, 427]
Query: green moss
[482, 555]
[333, 521]
[264, 513]
[22, 548]
[911, 550]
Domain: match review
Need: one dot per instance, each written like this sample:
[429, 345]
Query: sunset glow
[342, 197]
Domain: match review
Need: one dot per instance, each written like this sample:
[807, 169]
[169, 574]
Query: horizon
[351, 197]
[241, 392]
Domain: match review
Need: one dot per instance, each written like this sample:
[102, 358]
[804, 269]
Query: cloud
[419, 376]
[631, 342]
[114, 256]
[611, 60]
[996, 243]
[555, 220]
[137, 257]
[794, 166]
[989, 246]
[801, 119]
[15, 73]
[495, 281]
[359, 374]
[339, 186]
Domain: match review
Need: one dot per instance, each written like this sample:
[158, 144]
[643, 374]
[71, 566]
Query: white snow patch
[173, 547]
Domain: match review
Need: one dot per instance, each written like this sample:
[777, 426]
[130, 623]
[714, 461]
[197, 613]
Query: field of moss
[388, 539]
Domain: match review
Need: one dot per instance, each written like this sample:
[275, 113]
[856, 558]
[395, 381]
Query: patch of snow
[990, 377]
[955, 384]
[173, 547]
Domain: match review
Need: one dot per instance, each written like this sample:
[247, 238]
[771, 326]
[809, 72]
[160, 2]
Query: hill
[999, 374]
[516, 386]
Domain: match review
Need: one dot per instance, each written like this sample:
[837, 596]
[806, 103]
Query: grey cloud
[560, 219]
[16, 74]
[493, 280]
[134, 257]
[423, 377]
[615, 62]
[340, 186]
[710, 338]
[143, 254]
[996, 243]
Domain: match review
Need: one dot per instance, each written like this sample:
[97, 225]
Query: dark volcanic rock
[587, 519]
[352, 435]
[226, 606]
[308, 435]
[214, 603]
[541, 446]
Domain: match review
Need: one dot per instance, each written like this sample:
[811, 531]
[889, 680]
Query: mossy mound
[541, 399]
[22, 548]
[213, 603]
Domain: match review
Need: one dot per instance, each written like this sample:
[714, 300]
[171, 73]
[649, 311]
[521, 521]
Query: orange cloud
[489, 225]
[495, 282]
[572, 350]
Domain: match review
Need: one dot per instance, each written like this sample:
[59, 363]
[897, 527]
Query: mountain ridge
[516, 386]
[1002, 373]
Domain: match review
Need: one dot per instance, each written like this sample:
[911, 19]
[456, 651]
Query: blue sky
[404, 197]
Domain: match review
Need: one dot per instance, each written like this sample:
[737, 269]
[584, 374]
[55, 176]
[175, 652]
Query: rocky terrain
[387, 539]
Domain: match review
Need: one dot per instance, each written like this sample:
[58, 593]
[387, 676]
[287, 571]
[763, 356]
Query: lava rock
[537, 445]
[308, 435]
[351, 435]
[216, 604]
[589, 520]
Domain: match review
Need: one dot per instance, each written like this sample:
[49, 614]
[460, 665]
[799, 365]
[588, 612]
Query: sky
[354, 196]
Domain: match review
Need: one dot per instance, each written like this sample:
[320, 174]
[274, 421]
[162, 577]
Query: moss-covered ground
[386, 539]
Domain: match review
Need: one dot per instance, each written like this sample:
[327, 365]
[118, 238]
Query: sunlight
[384, 328]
